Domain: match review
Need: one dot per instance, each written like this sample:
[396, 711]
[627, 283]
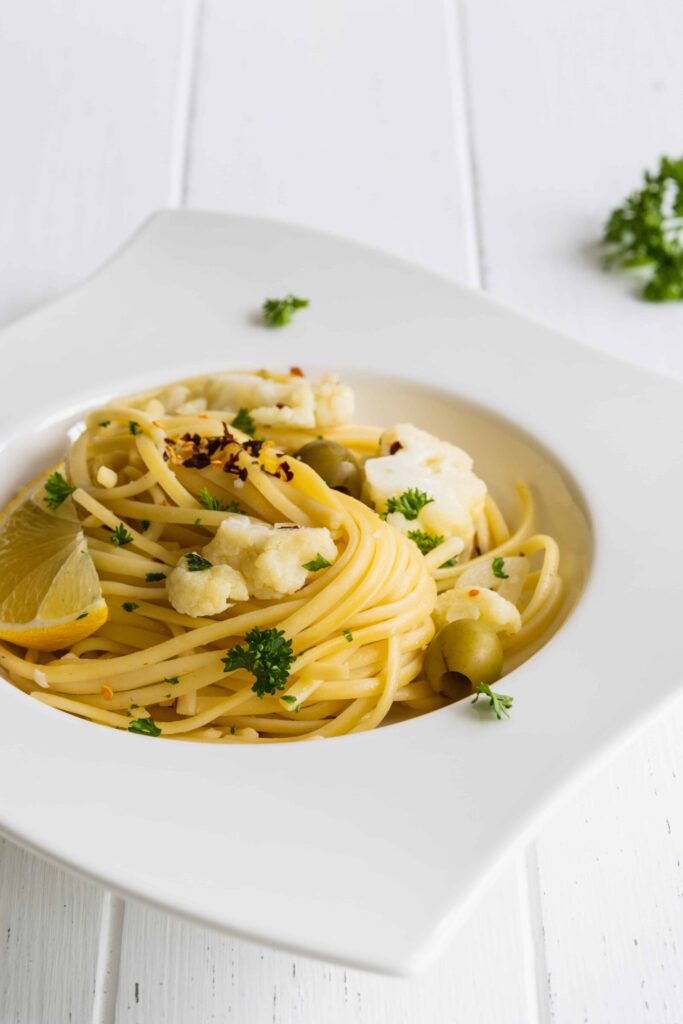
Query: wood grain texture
[339, 115]
[172, 973]
[611, 877]
[571, 102]
[88, 101]
[49, 926]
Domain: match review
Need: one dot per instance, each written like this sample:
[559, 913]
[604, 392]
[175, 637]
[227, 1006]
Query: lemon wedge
[50, 594]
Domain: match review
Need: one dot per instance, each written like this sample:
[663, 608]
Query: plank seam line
[108, 959]
[188, 79]
[463, 116]
[539, 994]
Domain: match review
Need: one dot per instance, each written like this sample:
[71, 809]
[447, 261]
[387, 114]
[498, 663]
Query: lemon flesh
[50, 594]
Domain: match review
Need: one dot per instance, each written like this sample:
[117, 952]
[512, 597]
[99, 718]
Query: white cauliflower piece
[422, 462]
[334, 402]
[270, 558]
[282, 400]
[461, 602]
[507, 581]
[206, 592]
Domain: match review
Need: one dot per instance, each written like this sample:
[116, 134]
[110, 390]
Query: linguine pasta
[164, 471]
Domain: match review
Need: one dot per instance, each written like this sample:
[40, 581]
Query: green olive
[463, 654]
[335, 464]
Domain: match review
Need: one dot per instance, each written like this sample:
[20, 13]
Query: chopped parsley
[348, 635]
[195, 562]
[144, 525]
[104, 423]
[645, 231]
[268, 656]
[234, 506]
[498, 566]
[213, 504]
[318, 563]
[498, 701]
[198, 521]
[425, 541]
[155, 577]
[173, 680]
[278, 312]
[288, 698]
[244, 422]
[450, 563]
[409, 504]
[134, 427]
[130, 606]
[121, 536]
[144, 727]
[57, 490]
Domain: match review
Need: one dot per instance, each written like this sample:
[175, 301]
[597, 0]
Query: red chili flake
[233, 464]
[287, 472]
[473, 593]
[169, 440]
[396, 447]
[279, 405]
[165, 456]
[253, 448]
[296, 371]
[197, 461]
[287, 526]
[186, 437]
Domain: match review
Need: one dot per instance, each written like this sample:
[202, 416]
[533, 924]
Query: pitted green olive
[335, 464]
[463, 654]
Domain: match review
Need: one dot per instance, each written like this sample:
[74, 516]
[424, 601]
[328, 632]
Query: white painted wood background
[483, 138]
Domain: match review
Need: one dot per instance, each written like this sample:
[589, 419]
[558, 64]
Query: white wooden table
[486, 139]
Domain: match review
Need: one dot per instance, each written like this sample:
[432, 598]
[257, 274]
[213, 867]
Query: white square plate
[364, 849]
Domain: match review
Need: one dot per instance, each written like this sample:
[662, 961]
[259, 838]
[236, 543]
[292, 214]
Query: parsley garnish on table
[500, 702]
[645, 231]
[409, 504]
[267, 655]
[57, 490]
[279, 312]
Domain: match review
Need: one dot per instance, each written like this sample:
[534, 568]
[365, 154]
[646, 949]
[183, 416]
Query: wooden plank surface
[172, 972]
[49, 927]
[359, 118]
[90, 135]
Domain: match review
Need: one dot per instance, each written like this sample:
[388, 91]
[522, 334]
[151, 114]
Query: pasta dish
[231, 559]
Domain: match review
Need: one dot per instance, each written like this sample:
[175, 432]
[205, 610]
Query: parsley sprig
[498, 701]
[120, 537]
[646, 231]
[208, 501]
[144, 727]
[278, 312]
[425, 541]
[57, 490]
[244, 422]
[197, 562]
[409, 504]
[267, 655]
[498, 568]
[317, 563]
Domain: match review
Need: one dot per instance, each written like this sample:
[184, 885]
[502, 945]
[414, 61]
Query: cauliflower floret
[422, 462]
[476, 603]
[283, 400]
[334, 402]
[270, 558]
[507, 581]
[206, 592]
